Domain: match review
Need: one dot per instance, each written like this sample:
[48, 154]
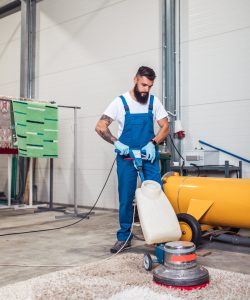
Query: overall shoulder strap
[151, 103]
[125, 104]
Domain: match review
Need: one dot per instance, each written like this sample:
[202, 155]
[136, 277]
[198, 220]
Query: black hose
[183, 160]
[233, 239]
[199, 171]
[65, 226]
[171, 139]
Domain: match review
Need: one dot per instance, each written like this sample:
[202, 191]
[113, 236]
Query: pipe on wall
[170, 69]
[27, 67]
[10, 8]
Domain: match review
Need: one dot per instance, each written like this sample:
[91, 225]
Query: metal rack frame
[227, 169]
[51, 170]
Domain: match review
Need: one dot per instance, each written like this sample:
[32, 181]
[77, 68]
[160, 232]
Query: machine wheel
[148, 262]
[190, 227]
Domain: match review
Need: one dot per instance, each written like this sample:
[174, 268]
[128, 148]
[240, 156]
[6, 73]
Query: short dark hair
[147, 72]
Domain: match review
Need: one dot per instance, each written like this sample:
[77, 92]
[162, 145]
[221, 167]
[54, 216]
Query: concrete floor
[25, 256]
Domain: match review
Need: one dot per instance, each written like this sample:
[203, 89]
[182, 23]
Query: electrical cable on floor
[65, 226]
[121, 249]
[103, 260]
[95, 262]
[131, 230]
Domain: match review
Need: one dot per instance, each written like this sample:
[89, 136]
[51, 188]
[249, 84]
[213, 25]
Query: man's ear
[135, 80]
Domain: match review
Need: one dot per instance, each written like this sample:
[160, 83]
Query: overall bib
[137, 132]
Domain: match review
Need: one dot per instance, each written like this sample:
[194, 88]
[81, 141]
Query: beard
[140, 97]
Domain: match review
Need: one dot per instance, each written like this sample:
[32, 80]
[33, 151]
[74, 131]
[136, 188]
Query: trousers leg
[151, 171]
[127, 180]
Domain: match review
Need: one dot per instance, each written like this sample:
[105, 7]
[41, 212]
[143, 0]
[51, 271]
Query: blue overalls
[137, 132]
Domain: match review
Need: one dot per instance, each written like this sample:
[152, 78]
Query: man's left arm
[163, 131]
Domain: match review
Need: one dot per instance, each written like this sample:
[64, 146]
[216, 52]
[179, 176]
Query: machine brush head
[180, 269]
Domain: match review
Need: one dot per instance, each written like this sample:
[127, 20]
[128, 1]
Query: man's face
[142, 88]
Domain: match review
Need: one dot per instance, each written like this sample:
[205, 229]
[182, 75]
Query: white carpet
[122, 278]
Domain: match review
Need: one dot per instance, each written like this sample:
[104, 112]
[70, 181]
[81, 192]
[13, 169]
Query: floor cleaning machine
[177, 266]
[177, 259]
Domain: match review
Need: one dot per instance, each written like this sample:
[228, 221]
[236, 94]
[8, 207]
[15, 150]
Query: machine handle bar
[143, 152]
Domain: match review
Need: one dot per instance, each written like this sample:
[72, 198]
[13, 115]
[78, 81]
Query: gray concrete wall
[215, 72]
[87, 54]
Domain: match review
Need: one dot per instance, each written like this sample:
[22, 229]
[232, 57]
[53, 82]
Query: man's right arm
[103, 130]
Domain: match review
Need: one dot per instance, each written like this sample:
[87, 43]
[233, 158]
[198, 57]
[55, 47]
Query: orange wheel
[190, 228]
[186, 231]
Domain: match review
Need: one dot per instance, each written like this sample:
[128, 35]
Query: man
[135, 112]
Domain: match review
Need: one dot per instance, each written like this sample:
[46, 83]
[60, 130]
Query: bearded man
[135, 111]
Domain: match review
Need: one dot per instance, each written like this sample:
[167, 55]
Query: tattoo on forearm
[105, 133]
[107, 136]
[107, 119]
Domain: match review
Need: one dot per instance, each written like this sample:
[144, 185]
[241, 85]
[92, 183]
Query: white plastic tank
[157, 217]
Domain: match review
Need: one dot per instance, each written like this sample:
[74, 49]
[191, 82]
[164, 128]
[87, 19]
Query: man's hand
[103, 130]
[123, 149]
[163, 131]
[150, 151]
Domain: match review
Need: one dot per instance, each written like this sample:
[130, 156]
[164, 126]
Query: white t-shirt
[116, 110]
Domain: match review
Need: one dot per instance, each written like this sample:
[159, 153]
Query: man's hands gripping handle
[148, 150]
[121, 148]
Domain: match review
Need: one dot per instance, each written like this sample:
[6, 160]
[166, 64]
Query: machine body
[211, 201]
